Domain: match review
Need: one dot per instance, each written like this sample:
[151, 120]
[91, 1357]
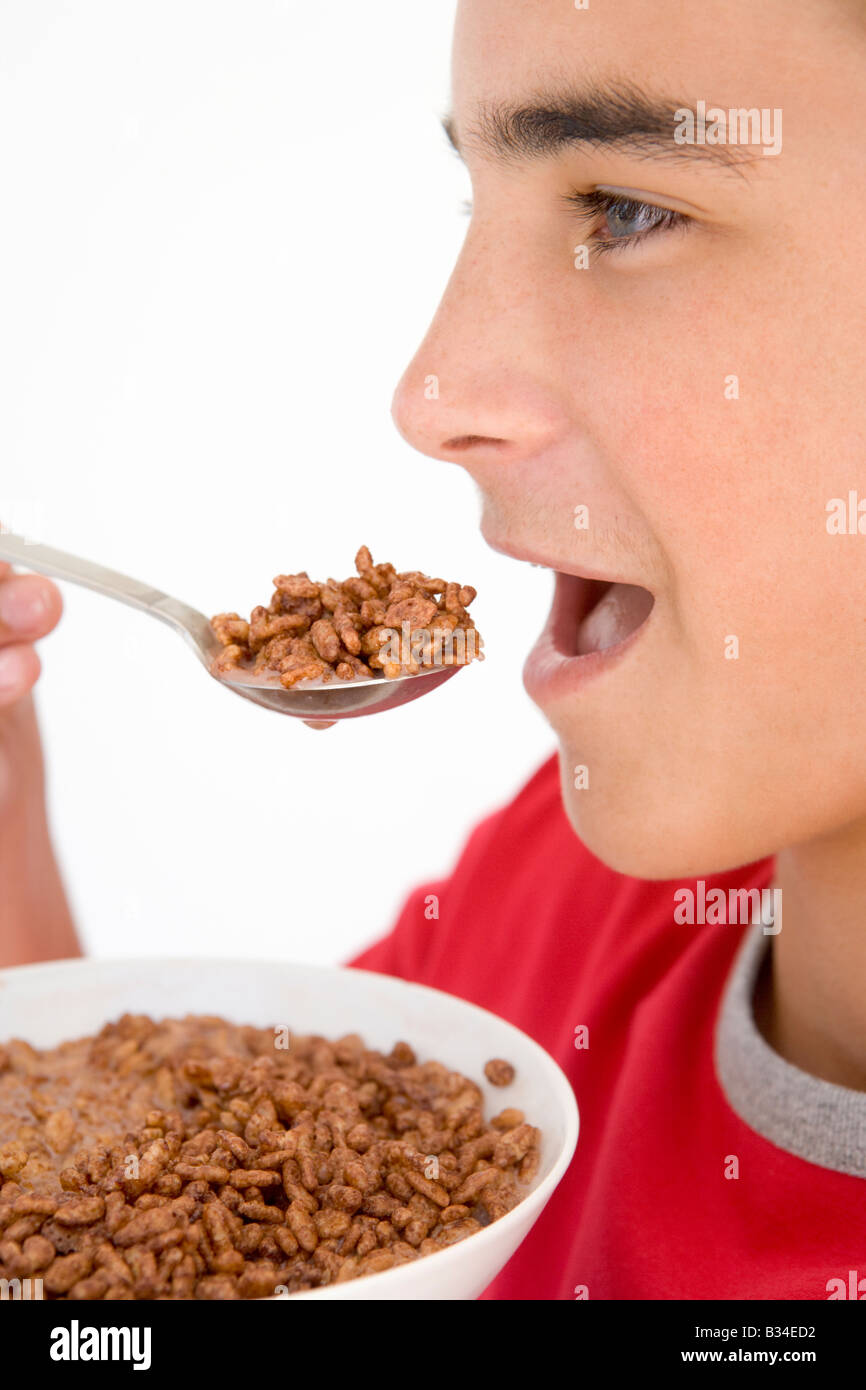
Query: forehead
[740, 54]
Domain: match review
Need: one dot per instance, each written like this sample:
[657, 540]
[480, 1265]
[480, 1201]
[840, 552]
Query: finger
[320, 723]
[30, 606]
[19, 672]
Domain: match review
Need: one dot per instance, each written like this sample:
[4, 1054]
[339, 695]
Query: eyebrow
[616, 116]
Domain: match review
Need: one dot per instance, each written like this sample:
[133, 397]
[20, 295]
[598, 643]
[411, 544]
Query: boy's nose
[480, 389]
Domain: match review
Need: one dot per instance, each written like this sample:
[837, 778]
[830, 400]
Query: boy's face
[699, 389]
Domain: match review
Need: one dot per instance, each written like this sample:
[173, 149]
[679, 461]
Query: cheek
[728, 433]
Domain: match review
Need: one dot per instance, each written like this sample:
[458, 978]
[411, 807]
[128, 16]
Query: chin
[658, 835]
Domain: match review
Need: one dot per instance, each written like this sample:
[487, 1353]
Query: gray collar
[814, 1119]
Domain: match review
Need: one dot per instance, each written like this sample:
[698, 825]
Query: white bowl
[47, 1004]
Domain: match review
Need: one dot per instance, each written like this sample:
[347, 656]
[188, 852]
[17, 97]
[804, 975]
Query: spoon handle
[58, 564]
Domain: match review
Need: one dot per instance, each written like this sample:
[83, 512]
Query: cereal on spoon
[376, 623]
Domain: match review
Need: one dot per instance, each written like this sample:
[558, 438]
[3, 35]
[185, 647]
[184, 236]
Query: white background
[225, 229]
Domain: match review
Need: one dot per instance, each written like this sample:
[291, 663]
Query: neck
[812, 1003]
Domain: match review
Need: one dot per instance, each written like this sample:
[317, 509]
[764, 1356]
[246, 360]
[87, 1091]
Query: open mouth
[593, 623]
[593, 615]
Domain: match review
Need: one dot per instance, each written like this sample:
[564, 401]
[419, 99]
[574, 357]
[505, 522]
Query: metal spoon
[318, 705]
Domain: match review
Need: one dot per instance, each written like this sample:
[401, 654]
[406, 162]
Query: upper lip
[535, 557]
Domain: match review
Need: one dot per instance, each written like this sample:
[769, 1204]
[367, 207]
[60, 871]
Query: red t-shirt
[536, 929]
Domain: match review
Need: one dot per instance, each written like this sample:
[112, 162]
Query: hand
[30, 606]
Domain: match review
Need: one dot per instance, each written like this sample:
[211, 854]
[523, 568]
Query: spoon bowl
[318, 702]
[315, 702]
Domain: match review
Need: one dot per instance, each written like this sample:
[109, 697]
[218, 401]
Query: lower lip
[552, 671]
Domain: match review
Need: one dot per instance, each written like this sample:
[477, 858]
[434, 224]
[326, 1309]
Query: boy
[649, 357]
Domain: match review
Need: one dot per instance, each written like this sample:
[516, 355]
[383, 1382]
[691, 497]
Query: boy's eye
[618, 221]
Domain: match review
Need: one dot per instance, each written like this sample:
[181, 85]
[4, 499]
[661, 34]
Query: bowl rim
[563, 1090]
